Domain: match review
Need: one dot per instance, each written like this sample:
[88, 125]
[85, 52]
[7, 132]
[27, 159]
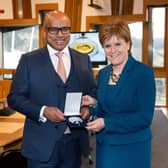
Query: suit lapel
[49, 68]
[126, 72]
[76, 62]
[108, 93]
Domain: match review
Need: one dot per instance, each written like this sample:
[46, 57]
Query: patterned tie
[60, 66]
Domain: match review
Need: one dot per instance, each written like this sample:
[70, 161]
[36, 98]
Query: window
[157, 50]
[158, 34]
[17, 42]
[160, 91]
[136, 34]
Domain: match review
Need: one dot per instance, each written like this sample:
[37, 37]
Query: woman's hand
[96, 125]
[88, 101]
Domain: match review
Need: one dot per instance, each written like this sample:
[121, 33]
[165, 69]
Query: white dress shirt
[54, 59]
[66, 59]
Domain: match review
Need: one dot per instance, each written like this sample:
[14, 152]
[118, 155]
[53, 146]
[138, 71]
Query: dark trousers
[66, 154]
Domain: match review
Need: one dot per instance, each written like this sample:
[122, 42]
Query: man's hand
[54, 114]
[88, 101]
[85, 113]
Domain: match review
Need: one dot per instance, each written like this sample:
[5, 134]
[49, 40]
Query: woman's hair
[118, 28]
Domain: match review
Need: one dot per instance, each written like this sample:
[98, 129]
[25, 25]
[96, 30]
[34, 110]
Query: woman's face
[116, 50]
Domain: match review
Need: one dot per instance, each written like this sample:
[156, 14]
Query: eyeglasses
[54, 30]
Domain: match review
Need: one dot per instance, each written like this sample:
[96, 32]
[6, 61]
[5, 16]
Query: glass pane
[136, 34]
[17, 42]
[158, 33]
[160, 91]
[7, 45]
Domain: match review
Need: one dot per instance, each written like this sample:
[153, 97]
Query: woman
[125, 103]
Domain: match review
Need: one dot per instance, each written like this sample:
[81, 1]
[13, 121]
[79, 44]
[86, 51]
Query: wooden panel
[5, 84]
[159, 72]
[40, 8]
[4, 88]
[7, 71]
[17, 22]
[45, 7]
[90, 20]
[9, 128]
[15, 9]
[156, 2]
[115, 5]
[25, 9]
[127, 7]
[7, 141]
[95, 72]
[145, 58]
[73, 9]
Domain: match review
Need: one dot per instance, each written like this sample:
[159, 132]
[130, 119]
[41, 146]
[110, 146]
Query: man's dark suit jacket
[36, 84]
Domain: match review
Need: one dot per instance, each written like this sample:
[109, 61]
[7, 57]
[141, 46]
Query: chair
[4, 88]
[7, 73]
[5, 81]
[6, 76]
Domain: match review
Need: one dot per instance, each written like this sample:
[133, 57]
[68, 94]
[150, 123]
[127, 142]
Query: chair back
[6, 76]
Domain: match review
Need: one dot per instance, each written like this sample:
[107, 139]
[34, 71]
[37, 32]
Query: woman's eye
[117, 44]
[107, 46]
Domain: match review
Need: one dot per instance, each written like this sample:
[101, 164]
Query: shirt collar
[52, 51]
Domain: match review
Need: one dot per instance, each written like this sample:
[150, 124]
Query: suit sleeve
[141, 117]
[85, 74]
[92, 91]
[97, 110]
[18, 97]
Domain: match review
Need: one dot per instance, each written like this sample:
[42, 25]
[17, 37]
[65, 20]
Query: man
[38, 91]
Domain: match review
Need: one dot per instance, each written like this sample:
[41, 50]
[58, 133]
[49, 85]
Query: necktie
[60, 66]
[62, 74]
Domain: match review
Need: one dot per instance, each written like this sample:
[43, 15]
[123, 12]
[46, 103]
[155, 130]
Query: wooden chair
[5, 82]
[7, 73]
[4, 88]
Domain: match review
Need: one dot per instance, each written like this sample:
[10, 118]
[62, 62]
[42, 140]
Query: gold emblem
[84, 47]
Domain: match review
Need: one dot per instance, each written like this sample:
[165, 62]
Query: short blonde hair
[118, 28]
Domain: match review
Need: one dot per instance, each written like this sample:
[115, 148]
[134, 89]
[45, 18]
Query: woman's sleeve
[141, 118]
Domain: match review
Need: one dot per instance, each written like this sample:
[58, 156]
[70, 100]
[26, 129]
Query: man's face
[57, 32]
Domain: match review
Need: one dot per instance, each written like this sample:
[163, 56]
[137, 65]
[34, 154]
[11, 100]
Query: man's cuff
[41, 117]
